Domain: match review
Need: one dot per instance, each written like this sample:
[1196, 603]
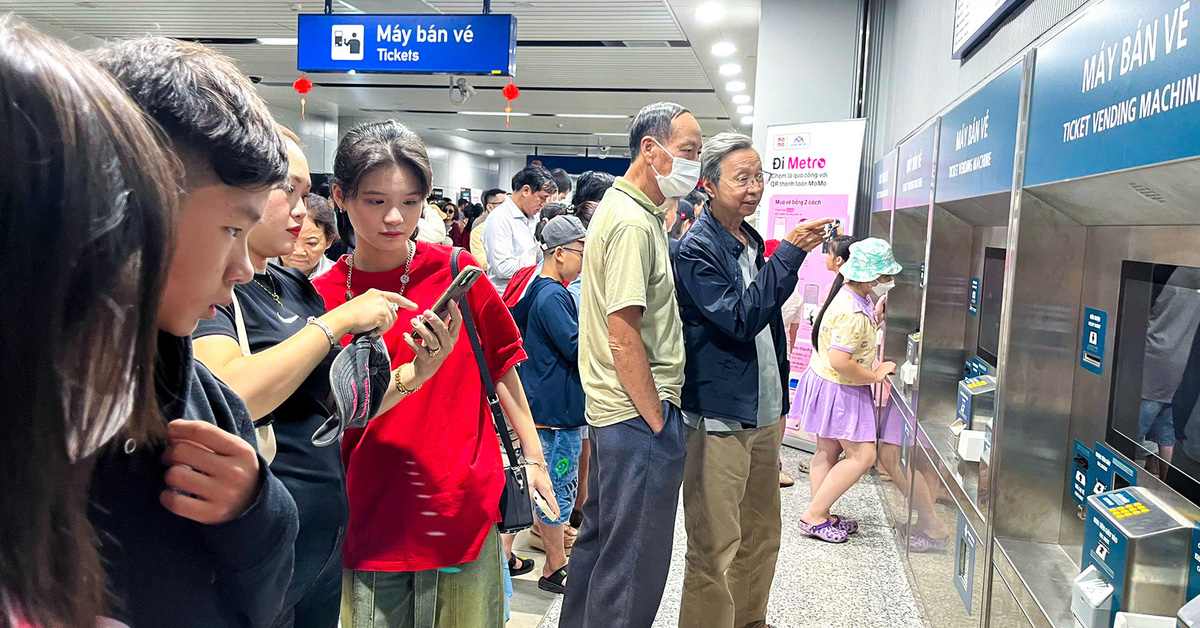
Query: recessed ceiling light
[277, 41]
[602, 116]
[741, 99]
[747, 120]
[462, 130]
[489, 152]
[735, 86]
[351, 72]
[729, 69]
[515, 114]
[745, 109]
[709, 12]
[723, 49]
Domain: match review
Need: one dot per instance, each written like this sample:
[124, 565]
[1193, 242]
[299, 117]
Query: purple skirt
[834, 411]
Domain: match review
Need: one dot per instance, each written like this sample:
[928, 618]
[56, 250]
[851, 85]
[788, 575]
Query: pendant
[349, 296]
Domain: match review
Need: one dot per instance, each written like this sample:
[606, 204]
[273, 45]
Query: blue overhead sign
[884, 199]
[914, 183]
[1119, 88]
[978, 142]
[408, 44]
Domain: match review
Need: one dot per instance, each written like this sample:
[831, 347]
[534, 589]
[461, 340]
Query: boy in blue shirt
[549, 323]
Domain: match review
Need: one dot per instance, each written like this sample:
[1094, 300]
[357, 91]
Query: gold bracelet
[400, 385]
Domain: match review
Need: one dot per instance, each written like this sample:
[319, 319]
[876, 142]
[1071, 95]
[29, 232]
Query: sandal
[802, 466]
[824, 532]
[923, 543]
[849, 526]
[555, 582]
[521, 568]
[786, 481]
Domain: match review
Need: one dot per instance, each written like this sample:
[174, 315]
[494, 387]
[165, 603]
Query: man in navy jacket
[735, 389]
[195, 530]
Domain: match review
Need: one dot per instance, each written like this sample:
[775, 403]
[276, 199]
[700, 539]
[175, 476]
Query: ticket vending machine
[1136, 551]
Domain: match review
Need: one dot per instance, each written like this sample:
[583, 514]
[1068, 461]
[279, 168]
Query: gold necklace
[274, 294]
[412, 251]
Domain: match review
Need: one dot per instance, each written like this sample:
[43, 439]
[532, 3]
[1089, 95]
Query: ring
[433, 352]
[395, 308]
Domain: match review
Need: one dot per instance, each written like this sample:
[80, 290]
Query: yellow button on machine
[1129, 510]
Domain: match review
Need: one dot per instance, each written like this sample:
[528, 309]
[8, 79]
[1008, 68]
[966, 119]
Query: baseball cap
[561, 231]
[359, 376]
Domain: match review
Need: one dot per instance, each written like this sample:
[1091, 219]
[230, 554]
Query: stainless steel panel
[1039, 575]
[1107, 248]
[1037, 368]
[881, 225]
[896, 418]
[948, 287]
[961, 482]
[1163, 194]
[933, 572]
[909, 233]
[1005, 609]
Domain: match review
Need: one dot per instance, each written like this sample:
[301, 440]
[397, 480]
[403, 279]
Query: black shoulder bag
[516, 505]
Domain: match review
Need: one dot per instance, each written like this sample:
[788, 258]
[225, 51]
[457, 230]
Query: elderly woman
[735, 389]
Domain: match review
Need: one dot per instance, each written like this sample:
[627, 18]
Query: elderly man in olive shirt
[631, 361]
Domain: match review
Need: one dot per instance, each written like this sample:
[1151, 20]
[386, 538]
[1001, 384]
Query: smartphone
[831, 232]
[456, 291]
[543, 505]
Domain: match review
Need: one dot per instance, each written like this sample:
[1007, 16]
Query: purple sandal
[849, 526]
[824, 531]
[923, 543]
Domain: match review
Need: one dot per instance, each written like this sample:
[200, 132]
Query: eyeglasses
[744, 181]
[579, 251]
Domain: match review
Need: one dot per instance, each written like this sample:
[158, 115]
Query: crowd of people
[187, 294]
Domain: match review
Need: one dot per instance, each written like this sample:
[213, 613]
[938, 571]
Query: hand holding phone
[543, 505]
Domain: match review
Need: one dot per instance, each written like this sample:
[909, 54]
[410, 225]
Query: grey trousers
[620, 561]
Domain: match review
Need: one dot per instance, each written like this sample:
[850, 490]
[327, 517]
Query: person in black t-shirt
[292, 341]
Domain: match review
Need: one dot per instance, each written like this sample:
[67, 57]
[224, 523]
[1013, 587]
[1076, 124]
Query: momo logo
[347, 42]
[799, 141]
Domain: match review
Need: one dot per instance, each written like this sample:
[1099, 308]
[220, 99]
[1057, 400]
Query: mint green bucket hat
[870, 259]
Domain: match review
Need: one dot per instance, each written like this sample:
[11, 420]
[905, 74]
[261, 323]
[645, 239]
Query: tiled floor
[860, 584]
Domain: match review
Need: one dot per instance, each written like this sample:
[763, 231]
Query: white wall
[918, 78]
[805, 62]
[509, 167]
[452, 168]
[318, 136]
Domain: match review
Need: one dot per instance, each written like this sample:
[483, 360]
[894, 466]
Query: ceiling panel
[598, 20]
[543, 20]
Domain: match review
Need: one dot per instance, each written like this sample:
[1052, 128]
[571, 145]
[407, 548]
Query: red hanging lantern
[510, 93]
[302, 86]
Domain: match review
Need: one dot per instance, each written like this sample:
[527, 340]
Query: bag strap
[240, 323]
[493, 400]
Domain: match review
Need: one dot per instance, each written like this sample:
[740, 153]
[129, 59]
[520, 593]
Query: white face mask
[685, 174]
[881, 289]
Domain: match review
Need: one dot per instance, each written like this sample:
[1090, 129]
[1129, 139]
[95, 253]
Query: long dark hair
[84, 218]
[840, 246]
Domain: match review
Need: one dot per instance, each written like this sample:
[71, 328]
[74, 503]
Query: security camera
[460, 90]
[256, 79]
[603, 152]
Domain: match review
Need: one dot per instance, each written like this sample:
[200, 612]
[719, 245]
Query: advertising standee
[814, 174]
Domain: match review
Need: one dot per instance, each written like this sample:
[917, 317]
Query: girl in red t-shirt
[424, 479]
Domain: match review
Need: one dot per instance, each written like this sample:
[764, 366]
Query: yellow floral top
[848, 325]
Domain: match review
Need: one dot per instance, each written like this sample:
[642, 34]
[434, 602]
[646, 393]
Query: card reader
[976, 401]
